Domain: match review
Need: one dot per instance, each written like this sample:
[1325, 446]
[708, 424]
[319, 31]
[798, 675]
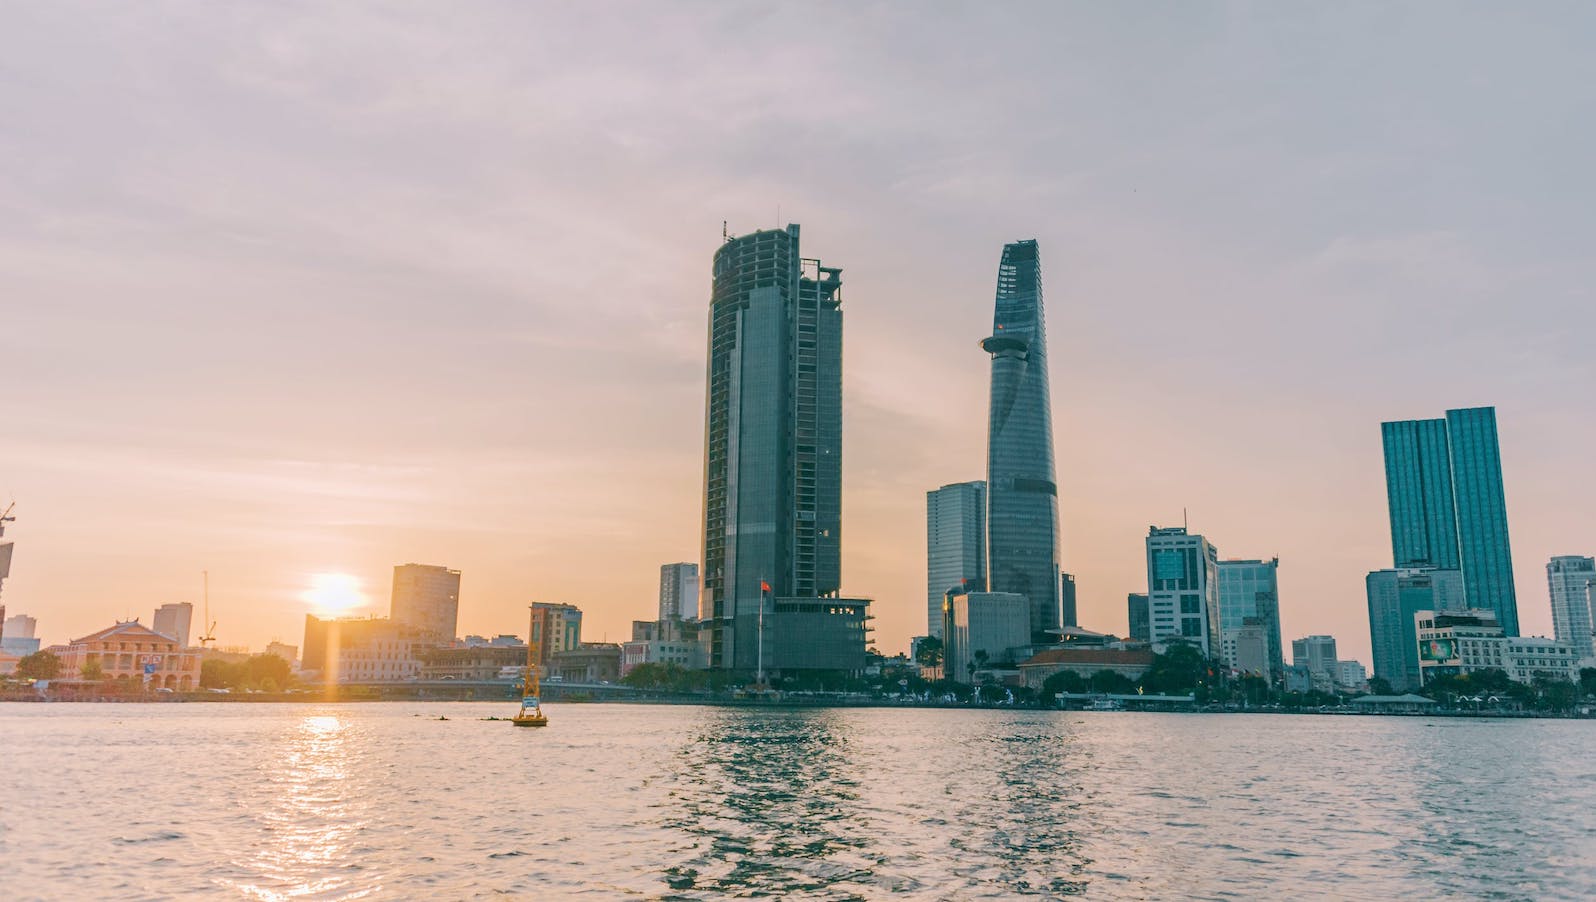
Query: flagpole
[759, 679]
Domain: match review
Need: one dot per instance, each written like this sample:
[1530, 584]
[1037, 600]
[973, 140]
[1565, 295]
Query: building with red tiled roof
[126, 651]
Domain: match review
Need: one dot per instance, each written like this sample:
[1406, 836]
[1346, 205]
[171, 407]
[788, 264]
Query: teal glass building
[1447, 505]
[1022, 494]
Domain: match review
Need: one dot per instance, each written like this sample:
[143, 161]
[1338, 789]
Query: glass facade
[1570, 579]
[1395, 598]
[955, 540]
[1183, 588]
[1249, 595]
[1022, 493]
[1448, 509]
[773, 437]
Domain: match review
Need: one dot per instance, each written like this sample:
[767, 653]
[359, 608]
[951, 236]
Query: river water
[384, 801]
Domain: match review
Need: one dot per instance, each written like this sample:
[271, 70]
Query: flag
[764, 586]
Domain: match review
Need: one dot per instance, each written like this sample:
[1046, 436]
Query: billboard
[1437, 650]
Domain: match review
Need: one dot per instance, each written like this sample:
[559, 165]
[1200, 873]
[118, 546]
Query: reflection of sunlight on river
[311, 815]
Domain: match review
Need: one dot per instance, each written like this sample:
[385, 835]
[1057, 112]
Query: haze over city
[296, 294]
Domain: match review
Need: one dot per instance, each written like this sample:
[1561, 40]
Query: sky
[298, 289]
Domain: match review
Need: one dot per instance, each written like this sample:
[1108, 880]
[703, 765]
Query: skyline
[273, 330]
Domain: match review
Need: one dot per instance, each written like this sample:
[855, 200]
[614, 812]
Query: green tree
[1380, 686]
[1178, 671]
[929, 652]
[1587, 681]
[41, 665]
[1111, 682]
[267, 672]
[217, 674]
[91, 670]
[1063, 681]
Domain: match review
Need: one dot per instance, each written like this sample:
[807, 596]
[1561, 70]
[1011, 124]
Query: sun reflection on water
[315, 808]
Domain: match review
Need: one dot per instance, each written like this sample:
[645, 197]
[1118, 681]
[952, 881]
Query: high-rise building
[1022, 548]
[678, 592]
[1570, 579]
[1318, 654]
[1066, 600]
[21, 626]
[773, 438]
[1139, 626]
[1395, 598]
[18, 635]
[1448, 509]
[955, 545]
[1183, 588]
[426, 598]
[174, 620]
[1249, 595]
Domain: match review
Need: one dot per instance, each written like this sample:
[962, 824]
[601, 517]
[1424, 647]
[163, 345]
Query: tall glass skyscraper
[1249, 596]
[1022, 494]
[955, 545]
[1448, 509]
[773, 437]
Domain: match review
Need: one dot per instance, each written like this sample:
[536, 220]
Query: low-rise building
[1455, 643]
[362, 650]
[1129, 663]
[816, 634]
[132, 651]
[686, 653]
[473, 662]
[1352, 676]
[289, 653]
[592, 662]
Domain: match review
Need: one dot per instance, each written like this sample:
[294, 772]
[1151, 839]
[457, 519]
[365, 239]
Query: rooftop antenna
[723, 236]
[1185, 522]
[209, 635]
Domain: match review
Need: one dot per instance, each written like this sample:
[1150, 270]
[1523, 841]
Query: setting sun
[334, 593]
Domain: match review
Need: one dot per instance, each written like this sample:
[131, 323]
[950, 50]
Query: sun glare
[334, 593]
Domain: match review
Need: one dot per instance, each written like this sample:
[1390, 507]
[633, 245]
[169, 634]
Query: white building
[1570, 579]
[981, 628]
[174, 620]
[678, 591]
[18, 636]
[687, 653]
[1183, 588]
[1318, 655]
[1453, 643]
[1352, 675]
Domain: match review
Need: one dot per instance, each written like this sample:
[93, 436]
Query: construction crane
[208, 635]
[5, 517]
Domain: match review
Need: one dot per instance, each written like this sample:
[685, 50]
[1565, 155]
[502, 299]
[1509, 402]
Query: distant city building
[1453, 643]
[1249, 651]
[1066, 600]
[18, 635]
[1317, 655]
[129, 651]
[687, 653]
[502, 640]
[289, 653]
[1352, 675]
[981, 628]
[1022, 550]
[1447, 506]
[955, 545]
[1182, 588]
[816, 634]
[678, 591]
[1395, 597]
[590, 662]
[554, 628]
[1140, 626]
[773, 439]
[360, 649]
[1570, 578]
[174, 620]
[426, 598]
[475, 663]
[1129, 663]
[1249, 596]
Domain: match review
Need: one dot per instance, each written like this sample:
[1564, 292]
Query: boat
[531, 713]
